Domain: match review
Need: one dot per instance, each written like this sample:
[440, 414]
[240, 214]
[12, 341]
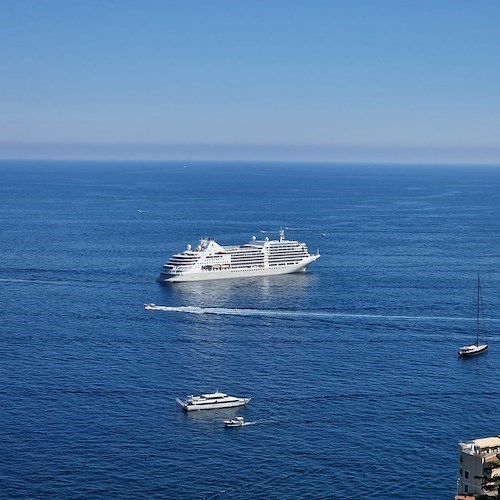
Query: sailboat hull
[472, 350]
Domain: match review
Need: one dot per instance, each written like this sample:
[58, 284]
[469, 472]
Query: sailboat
[474, 349]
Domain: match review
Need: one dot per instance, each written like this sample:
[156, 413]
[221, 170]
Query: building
[473, 460]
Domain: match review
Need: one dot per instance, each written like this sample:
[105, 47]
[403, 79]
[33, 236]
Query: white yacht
[213, 401]
[209, 260]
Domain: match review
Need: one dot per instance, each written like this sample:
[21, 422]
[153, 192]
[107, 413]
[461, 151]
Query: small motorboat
[150, 306]
[237, 422]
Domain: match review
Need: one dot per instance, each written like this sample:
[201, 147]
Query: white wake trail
[33, 281]
[221, 311]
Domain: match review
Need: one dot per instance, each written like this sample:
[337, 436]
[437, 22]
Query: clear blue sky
[359, 80]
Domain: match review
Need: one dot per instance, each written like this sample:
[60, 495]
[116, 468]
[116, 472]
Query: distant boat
[468, 351]
[237, 422]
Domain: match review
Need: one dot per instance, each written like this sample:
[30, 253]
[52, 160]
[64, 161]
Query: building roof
[489, 442]
[493, 458]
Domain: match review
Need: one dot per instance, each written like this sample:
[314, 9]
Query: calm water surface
[352, 368]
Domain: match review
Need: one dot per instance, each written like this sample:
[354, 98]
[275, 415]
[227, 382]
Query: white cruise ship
[209, 260]
[213, 401]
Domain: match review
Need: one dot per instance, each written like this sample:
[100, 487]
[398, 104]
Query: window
[466, 488]
[466, 474]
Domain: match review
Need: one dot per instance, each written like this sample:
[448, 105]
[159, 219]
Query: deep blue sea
[357, 390]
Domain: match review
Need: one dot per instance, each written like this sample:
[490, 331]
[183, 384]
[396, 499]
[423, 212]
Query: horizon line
[408, 154]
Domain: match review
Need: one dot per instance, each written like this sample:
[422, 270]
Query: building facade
[473, 457]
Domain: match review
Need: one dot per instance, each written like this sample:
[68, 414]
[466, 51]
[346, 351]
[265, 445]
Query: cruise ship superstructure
[209, 260]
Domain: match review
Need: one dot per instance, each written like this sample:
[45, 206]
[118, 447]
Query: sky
[322, 80]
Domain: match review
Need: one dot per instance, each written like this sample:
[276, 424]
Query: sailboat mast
[478, 307]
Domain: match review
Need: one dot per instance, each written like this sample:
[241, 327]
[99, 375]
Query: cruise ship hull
[236, 273]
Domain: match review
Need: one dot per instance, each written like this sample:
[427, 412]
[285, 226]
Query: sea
[357, 390]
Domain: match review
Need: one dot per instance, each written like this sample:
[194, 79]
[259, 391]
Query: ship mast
[478, 308]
